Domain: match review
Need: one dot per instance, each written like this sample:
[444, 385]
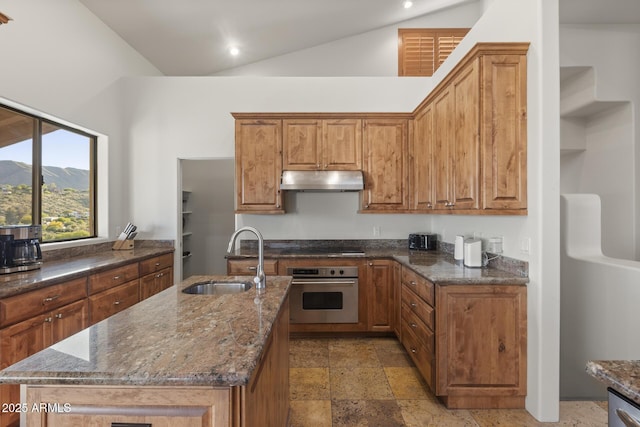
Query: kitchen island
[174, 359]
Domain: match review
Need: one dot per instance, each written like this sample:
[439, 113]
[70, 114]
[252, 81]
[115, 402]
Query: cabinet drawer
[418, 284]
[416, 304]
[420, 330]
[245, 267]
[152, 265]
[112, 301]
[23, 306]
[108, 279]
[423, 358]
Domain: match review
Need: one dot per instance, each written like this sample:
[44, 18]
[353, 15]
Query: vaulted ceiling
[193, 37]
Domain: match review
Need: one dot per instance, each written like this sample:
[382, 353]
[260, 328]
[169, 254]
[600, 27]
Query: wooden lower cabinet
[154, 283]
[249, 267]
[108, 406]
[380, 284]
[264, 401]
[481, 346]
[469, 342]
[30, 336]
[112, 301]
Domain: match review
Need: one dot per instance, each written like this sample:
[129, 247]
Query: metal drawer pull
[160, 275]
[414, 350]
[116, 277]
[413, 304]
[252, 268]
[320, 282]
[48, 320]
[627, 419]
[116, 303]
[413, 325]
[157, 264]
[413, 283]
[49, 299]
[59, 316]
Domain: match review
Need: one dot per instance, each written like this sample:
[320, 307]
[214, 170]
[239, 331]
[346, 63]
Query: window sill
[72, 244]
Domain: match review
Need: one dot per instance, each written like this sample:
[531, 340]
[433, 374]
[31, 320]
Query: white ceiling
[192, 37]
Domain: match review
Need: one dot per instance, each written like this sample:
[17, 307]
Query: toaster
[423, 241]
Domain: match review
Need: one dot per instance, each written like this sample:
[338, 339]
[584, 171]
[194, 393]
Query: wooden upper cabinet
[466, 142]
[302, 144]
[315, 144]
[504, 131]
[443, 134]
[421, 156]
[258, 166]
[385, 165]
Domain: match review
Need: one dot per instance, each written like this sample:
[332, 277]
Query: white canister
[458, 250]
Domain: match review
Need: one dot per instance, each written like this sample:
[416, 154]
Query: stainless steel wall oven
[324, 294]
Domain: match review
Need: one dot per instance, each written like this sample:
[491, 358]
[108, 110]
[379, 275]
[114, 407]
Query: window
[47, 176]
[422, 50]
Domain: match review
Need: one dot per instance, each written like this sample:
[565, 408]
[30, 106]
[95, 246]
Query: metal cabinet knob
[59, 316]
[116, 303]
[48, 320]
[413, 304]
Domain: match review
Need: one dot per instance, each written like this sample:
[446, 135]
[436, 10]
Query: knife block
[122, 245]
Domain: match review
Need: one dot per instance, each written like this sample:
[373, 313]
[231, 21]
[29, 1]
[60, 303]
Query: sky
[59, 148]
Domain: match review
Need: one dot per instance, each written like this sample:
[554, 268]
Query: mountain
[16, 173]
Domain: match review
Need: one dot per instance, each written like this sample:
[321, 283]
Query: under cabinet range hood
[322, 180]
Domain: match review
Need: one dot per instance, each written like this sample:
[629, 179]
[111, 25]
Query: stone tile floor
[373, 382]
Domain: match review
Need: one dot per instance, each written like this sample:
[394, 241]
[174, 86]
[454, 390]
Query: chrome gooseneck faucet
[260, 279]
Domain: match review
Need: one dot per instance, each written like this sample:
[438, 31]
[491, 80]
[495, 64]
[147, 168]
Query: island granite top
[170, 339]
[621, 375]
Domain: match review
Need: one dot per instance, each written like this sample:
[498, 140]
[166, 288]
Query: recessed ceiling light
[234, 51]
[407, 4]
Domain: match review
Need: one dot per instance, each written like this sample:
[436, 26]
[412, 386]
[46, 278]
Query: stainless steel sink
[217, 287]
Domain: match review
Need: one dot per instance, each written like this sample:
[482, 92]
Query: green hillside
[65, 211]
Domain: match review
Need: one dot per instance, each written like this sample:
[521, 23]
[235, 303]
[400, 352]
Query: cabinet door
[154, 283]
[112, 301]
[117, 406]
[421, 152]
[384, 145]
[258, 166]
[380, 282]
[69, 320]
[466, 144]
[342, 144]
[504, 131]
[19, 342]
[443, 134]
[302, 144]
[481, 345]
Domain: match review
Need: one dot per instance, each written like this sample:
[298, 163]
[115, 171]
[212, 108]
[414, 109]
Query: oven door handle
[322, 282]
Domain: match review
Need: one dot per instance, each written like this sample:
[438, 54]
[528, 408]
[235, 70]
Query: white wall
[59, 59]
[607, 164]
[374, 53]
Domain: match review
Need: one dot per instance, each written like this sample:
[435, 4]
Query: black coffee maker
[20, 248]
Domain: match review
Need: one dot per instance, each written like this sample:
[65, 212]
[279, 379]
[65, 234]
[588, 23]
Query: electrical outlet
[525, 245]
[377, 230]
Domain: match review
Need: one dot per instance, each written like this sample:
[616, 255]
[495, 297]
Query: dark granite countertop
[621, 375]
[60, 270]
[438, 267]
[170, 339]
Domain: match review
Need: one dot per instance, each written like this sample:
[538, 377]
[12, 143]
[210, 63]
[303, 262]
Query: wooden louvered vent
[422, 50]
